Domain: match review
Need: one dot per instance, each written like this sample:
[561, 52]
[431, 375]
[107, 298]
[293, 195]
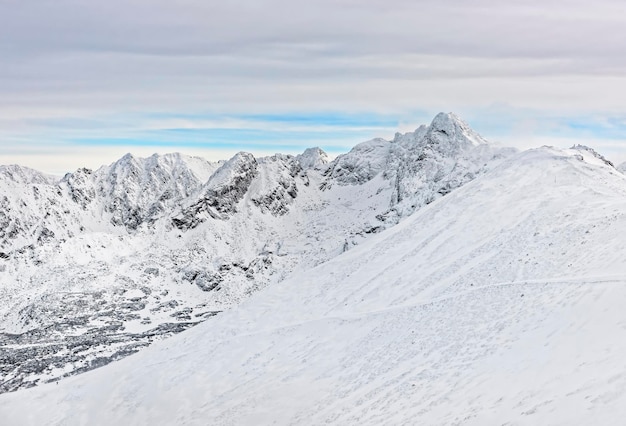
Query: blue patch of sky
[503, 122]
[600, 128]
[241, 139]
[142, 142]
[333, 132]
[259, 135]
[326, 119]
[313, 119]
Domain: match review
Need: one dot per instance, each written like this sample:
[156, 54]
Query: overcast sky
[83, 82]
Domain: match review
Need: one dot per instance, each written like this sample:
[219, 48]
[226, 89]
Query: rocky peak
[80, 186]
[277, 184]
[136, 190]
[218, 198]
[313, 158]
[241, 167]
[25, 175]
[595, 154]
[411, 137]
[444, 140]
[449, 134]
[361, 164]
[421, 165]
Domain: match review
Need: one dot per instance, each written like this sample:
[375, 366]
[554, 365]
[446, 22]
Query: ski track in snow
[397, 366]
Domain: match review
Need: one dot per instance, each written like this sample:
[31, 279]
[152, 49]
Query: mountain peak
[238, 165]
[454, 128]
[443, 119]
[222, 192]
[22, 174]
[126, 158]
[313, 158]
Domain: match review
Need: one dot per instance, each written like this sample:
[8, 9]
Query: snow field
[501, 303]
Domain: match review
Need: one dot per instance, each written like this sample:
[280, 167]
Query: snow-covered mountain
[500, 303]
[100, 263]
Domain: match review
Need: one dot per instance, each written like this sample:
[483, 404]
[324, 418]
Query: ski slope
[501, 303]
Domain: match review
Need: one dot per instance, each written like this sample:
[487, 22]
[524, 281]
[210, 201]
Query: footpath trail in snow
[501, 303]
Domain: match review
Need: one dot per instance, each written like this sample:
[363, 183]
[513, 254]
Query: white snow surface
[500, 303]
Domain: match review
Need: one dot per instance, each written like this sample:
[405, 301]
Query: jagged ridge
[172, 239]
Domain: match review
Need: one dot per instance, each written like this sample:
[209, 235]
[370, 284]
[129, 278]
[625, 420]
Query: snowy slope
[501, 303]
[100, 264]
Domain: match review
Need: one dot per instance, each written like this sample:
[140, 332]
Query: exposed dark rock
[219, 197]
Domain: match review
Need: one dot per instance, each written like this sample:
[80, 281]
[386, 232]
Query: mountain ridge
[131, 252]
[444, 318]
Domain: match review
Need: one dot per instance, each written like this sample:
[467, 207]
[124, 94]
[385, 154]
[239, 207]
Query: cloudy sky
[83, 82]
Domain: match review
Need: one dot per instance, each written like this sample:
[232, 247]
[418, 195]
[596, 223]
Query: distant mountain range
[100, 263]
[432, 279]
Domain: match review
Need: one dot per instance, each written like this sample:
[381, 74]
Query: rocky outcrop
[80, 187]
[422, 165]
[218, 198]
[138, 190]
[361, 164]
[596, 154]
[278, 185]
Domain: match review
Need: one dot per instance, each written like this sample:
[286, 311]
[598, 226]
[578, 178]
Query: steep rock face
[138, 190]
[218, 198]
[277, 186]
[361, 164]
[33, 209]
[80, 186]
[422, 165]
[437, 159]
